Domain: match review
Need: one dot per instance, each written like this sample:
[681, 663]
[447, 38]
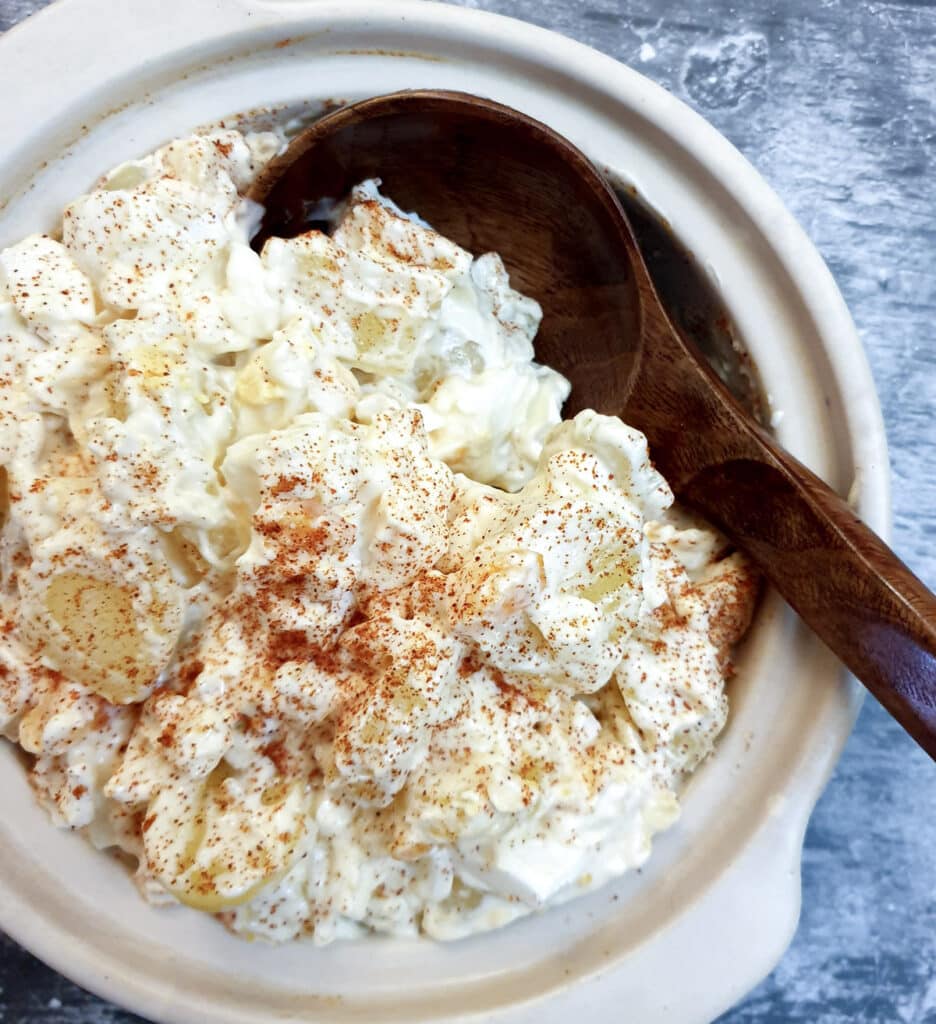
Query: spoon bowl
[565, 240]
[493, 179]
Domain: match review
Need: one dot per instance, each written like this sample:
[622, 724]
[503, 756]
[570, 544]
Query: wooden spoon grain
[493, 179]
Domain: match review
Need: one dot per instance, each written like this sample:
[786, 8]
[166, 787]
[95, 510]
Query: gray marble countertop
[834, 101]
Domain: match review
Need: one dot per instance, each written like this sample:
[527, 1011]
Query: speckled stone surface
[834, 101]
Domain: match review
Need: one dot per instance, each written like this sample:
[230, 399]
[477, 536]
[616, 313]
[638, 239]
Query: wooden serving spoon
[493, 179]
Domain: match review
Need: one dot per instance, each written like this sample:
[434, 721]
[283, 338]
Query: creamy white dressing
[312, 603]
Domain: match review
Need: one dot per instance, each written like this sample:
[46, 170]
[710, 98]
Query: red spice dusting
[167, 737]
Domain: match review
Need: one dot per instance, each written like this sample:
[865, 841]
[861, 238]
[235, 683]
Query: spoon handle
[843, 580]
[847, 585]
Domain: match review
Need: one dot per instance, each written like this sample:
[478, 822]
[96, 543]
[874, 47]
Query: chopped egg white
[310, 600]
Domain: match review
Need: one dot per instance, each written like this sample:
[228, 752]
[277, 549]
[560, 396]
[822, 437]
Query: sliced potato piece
[215, 845]
[97, 616]
[112, 635]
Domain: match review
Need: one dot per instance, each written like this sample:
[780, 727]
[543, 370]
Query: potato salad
[312, 604]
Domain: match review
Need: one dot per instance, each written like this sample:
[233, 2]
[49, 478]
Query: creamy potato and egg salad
[312, 604]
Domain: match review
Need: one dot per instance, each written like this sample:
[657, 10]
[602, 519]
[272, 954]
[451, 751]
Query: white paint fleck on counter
[727, 71]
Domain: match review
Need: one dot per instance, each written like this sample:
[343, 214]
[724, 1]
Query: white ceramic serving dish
[93, 82]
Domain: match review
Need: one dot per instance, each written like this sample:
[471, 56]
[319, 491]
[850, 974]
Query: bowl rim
[147, 32]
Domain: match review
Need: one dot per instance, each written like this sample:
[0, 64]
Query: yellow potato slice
[215, 846]
[611, 569]
[382, 344]
[97, 616]
[100, 632]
